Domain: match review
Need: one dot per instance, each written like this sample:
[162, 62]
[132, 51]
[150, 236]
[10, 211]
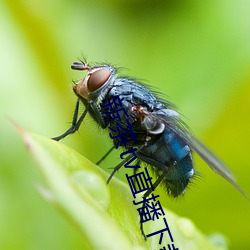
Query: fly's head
[92, 86]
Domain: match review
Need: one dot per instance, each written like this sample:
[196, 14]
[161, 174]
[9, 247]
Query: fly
[163, 140]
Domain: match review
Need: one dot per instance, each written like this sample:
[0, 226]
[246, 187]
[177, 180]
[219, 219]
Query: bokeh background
[195, 52]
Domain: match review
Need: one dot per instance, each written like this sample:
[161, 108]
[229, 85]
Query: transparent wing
[175, 124]
[211, 159]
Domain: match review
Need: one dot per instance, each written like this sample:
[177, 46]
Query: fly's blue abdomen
[170, 155]
[177, 147]
[181, 165]
[178, 176]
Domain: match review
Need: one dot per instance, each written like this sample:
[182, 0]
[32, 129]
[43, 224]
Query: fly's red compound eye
[97, 79]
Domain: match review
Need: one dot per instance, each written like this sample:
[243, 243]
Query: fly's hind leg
[149, 191]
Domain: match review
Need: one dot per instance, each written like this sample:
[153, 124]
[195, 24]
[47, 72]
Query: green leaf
[104, 214]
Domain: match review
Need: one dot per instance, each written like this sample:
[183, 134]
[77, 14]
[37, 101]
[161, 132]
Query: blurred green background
[196, 52]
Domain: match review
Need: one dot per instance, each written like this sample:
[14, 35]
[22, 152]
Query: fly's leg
[149, 191]
[105, 155]
[135, 170]
[123, 162]
[101, 121]
[75, 124]
[97, 114]
[118, 167]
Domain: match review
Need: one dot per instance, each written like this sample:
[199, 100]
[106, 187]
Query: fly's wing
[174, 123]
[212, 160]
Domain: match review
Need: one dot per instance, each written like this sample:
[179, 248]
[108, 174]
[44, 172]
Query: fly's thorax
[95, 84]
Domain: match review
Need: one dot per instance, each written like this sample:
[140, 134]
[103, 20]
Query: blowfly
[163, 140]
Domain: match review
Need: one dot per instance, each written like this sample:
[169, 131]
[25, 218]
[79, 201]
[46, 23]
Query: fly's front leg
[75, 124]
[95, 110]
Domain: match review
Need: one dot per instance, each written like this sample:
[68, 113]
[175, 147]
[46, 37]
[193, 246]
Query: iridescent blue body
[165, 151]
[162, 138]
